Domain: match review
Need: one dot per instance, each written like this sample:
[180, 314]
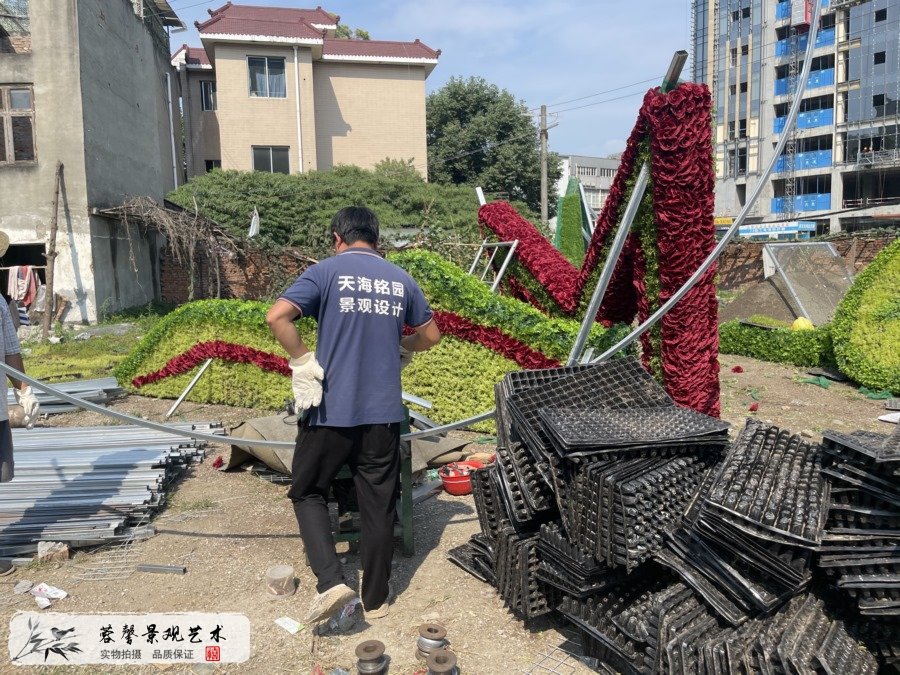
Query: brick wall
[257, 276]
[244, 276]
[15, 44]
[741, 262]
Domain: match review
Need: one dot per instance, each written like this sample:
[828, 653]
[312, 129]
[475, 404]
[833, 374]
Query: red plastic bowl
[455, 476]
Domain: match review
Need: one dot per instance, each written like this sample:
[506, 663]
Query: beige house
[272, 89]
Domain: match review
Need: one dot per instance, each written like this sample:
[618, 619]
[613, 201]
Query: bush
[295, 210]
[781, 345]
[457, 376]
[866, 327]
[237, 384]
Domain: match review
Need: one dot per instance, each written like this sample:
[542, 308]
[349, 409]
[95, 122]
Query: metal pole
[757, 190]
[544, 212]
[634, 202]
[50, 255]
[509, 256]
[670, 81]
[180, 430]
[188, 388]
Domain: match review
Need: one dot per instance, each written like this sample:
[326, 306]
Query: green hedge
[781, 345]
[449, 288]
[866, 327]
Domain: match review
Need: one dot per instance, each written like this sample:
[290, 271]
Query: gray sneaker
[384, 610]
[327, 603]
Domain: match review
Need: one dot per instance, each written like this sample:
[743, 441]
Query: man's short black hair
[356, 223]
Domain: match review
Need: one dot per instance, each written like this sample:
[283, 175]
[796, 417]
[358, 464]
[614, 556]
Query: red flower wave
[449, 323]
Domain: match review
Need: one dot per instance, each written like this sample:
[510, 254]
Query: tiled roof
[378, 49]
[248, 27]
[268, 21]
[194, 57]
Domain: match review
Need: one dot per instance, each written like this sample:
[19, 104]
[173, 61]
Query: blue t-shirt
[361, 303]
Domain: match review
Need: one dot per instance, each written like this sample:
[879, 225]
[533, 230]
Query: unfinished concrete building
[841, 166]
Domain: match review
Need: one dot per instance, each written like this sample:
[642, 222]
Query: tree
[478, 134]
[344, 32]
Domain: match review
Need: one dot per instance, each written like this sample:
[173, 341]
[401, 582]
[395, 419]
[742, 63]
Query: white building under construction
[841, 165]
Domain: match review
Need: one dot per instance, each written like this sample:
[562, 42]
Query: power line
[599, 93]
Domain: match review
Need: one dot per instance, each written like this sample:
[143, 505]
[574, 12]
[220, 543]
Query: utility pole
[51, 256]
[544, 165]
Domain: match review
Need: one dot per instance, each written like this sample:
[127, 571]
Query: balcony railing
[866, 158]
[811, 202]
[817, 78]
[807, 120]
[783, 9]
[813, 159]
[824, 38]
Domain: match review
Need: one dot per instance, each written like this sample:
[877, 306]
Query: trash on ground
[292, 626]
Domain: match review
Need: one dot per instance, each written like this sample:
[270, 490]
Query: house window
[587, 171]
[273, 159]
[742, 128]
[16, 124]
[208, 95]
[745, 50]
[880, 57]
[881, 14]
[878, 100]
[266, 77]
[213, 164]
[743, 87]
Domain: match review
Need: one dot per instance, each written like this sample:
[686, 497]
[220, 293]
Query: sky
[604, 52]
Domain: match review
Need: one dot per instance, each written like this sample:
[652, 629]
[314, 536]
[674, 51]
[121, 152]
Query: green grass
[92, 358]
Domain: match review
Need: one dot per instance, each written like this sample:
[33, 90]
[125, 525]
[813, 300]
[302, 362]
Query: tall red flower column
[683, 200]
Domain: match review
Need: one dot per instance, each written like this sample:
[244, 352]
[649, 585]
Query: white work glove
[26, 398]
[406, 357]
[306, 381]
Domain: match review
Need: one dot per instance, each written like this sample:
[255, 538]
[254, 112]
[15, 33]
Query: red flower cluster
[216, 349]
[679, 130]
[449, 323]
[494, 339]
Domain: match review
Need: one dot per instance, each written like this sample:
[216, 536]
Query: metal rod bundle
[89, 485]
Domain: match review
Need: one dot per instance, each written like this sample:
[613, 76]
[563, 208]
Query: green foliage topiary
[449, 288]
[866, 327]
[781, 345]
[569, 223]
[457, 376]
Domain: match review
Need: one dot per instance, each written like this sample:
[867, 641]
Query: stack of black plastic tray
[860, 550]
[571, 571]
[515, 570]
[747, 538]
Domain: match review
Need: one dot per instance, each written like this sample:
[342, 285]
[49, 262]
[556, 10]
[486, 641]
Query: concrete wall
[26, 191]
[128, 142]
[366, 113]
[201, 127]
[101, 108]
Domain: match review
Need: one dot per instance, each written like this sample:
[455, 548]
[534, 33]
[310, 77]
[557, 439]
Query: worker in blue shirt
[350, 387]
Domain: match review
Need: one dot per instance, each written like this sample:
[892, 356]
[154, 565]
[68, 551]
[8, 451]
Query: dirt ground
[229, 528]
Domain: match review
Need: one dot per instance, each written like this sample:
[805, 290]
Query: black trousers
[372, 452]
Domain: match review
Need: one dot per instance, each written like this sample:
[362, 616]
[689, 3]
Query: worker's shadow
[434, 521]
